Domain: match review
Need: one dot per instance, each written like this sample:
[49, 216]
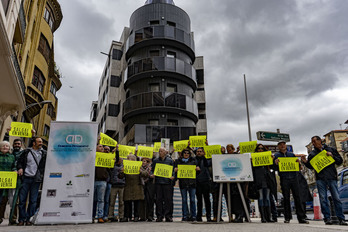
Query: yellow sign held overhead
[132, 167]
[212, 150]
[106, 140]
[321, 161]
[198, 141]
[146, 152]
[163, 170]
[8, 180]
[105, 160]
[124, 151]
[262, 158]
[187, 171]
[288, 164]
[180, 145]
[247, 147]
[21, 129]
[157, 146]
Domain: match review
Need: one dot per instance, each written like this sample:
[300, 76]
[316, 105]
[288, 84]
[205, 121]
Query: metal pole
[247, 107]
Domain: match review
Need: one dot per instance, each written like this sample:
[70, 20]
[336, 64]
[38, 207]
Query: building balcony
[21, 26]
[148, 134]
[160, 102]
[156, 66]
[163, 35]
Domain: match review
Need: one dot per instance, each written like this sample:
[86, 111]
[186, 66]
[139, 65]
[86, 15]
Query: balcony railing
[18, 69]
[160, 63]
[159, 99]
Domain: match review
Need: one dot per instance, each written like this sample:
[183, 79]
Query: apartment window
[38, 79]
[155, 87]
[115, 81]
[172, 88]
[53, 88]
[48, 16]
[116, 54]
[114, 110]
[44, 47]
[171, 122]
[154, 53]
[154, 22]
[171, 54]
[172, 24]
[50, 110]
[148, 32]
[46, 131]
[154, 122]
[138, 36]
[5, 4]
[202, 116]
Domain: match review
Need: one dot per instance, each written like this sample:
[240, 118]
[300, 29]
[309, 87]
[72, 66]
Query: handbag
[38, 176]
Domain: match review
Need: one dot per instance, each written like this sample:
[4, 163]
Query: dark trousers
[216, 194]
[128, 209]
[203, 191]
[150, 191]
[287, 185]
[164, 201]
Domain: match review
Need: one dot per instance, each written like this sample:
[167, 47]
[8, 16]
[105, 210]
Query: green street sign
[272, 136]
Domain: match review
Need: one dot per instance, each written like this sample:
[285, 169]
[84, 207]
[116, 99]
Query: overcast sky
[294, 54]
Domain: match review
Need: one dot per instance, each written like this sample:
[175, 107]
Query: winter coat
[186, 182]
[134, 189]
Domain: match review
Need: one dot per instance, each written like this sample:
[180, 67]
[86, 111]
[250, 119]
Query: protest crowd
[143, 185]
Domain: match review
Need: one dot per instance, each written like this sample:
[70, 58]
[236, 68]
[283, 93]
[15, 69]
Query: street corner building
[29, 76]
[152, 86]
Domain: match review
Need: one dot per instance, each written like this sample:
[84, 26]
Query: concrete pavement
[177, 226]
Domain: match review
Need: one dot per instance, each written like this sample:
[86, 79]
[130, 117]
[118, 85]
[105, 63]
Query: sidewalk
[255, 225]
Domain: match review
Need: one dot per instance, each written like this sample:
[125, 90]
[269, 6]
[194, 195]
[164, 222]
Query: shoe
[20, 224]
[136, 219]
[302, 221]
[28, 224]
[342, 223]
[238, 219]
[105, 219]
[199, 219]
[12, 223]
[149, 220]
[159, 220]
[100, 220]
[275, 219]
[1, 220]
[286, 221]
[184, 219]
[214, 219]
[193, 219]
[124, 220]
[113, 220]
[169, 220]
[209, 219]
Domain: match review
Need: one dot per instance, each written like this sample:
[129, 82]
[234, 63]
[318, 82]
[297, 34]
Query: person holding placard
[323, 160]
[7, 164]
[31, 167]
[134, 191]
[263, 183]
[289, 181]
[149, 191]
[187, 183]
[163, 185]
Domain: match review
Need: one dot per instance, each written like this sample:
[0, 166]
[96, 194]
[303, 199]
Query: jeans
[323, 185]
[192, 192]
[98, 203]
[29, 185]
[107, 200]
[264, 197]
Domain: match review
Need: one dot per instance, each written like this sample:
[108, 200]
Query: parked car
[342, 184]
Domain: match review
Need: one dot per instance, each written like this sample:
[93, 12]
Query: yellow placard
[262, 158]
[198, 141]
[8, 180]
[21, 129]
[187, 171]
[124, 150]
[156, 146]
[247, 147]
[163, 170]
[132, 167]
[288, 164]
[105, 160]
[106, 140]
[146, 152]
[212, 150]
[321, 161]
[180, 145]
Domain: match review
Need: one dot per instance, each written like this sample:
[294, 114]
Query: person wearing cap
[327, 180]
[289, 181]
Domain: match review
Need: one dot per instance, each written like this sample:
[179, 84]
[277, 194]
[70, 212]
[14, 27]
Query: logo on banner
[51, 214]
[56, 175]
[65, 204]
[82, 175]
[232, 167]
[74, 214]
[51, 192]
[86, 194]
[74, 139]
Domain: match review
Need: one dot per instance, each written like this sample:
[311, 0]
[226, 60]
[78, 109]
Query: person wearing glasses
[263, 183]
[187, 185]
